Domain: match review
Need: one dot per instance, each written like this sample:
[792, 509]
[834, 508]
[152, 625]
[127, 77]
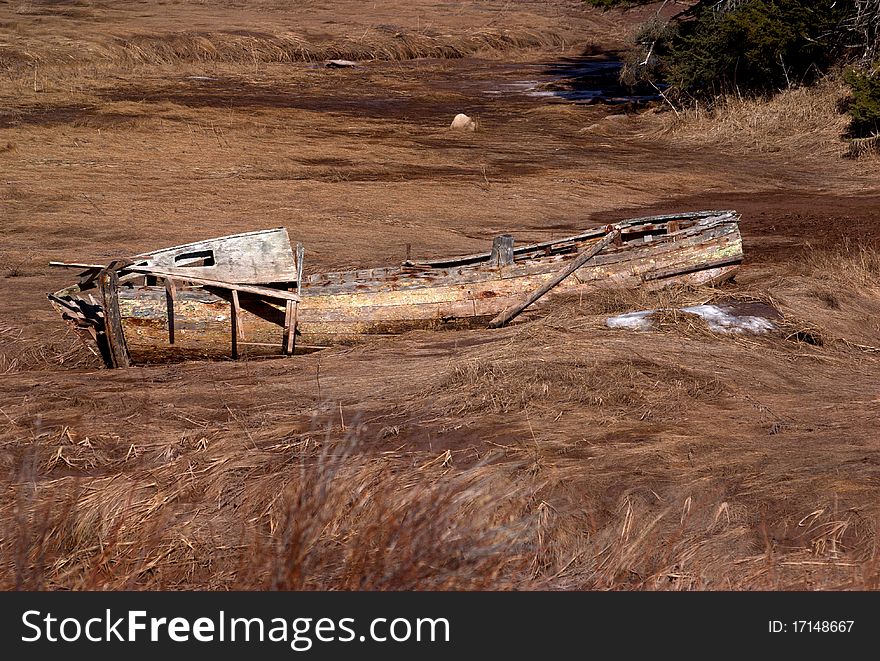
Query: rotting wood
[502, 251]
[250, 289]
[170, 295]
[690, 268]
[289, 330]
[235, 323]
[108, 281]
[349, 307]
[291, 312]
[77, 265]
[627, 226]
[511, 313]
[260, 257]
[300, 255]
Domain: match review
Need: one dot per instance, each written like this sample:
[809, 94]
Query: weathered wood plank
[690, 268]
[250, 289]
[235, 323]
[402, 278]
[502, 251]
[289, 337]
[686, 220]
[251, 257]
[300, 256]
[170, 295]
[108, 281]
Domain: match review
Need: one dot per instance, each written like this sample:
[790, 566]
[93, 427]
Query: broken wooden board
[260, 257]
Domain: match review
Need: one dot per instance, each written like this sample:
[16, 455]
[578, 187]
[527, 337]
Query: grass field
[552, 454]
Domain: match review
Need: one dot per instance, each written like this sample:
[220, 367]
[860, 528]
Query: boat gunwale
[725, 215]
[399, 280]
[444, 268]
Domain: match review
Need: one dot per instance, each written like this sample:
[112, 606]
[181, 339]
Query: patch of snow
[719, 318]
[632, 320]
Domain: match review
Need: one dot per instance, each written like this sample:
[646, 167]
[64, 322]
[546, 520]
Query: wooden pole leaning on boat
[513, 311]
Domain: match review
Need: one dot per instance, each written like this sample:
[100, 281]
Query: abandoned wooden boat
[246, 294]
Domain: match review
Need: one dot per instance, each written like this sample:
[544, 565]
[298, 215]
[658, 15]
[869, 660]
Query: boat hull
[349, 307]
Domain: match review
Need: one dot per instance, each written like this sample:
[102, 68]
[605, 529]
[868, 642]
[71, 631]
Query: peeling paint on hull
[348, 307]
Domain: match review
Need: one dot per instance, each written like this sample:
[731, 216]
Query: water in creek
[587, 79]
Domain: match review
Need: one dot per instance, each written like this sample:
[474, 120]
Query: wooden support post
[514, 310]
[170, 295]
[502, 251]
[235, 318]
[108, 281]
[300, 253]
[292, 309]
[289, 339]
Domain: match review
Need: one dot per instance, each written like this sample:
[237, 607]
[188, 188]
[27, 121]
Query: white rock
[462, 122]
[338, 64]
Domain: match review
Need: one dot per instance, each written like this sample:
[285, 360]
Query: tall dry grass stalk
[851, 264]
[339, 521]
[250, 47]
[62, 349]
[328, 518]
[804, 120]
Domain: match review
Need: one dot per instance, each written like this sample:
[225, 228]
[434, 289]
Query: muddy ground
[671, 459]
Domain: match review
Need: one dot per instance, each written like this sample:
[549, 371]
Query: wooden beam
[692, 268]
[75, 265]
[513, 311]
[300, 253]
[108, 282]
[235, 319]
[219, 284]
[502, 251]
[289, 337]
[292, 310]
[170, 295]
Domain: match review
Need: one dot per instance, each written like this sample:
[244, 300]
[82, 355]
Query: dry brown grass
[326, 517]
[379, 44]
[850, 264]
[503, 385]
[182, 48]
[323, 517]
[556, 453]
[804, 121]
[62, 350]
[122, 32]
